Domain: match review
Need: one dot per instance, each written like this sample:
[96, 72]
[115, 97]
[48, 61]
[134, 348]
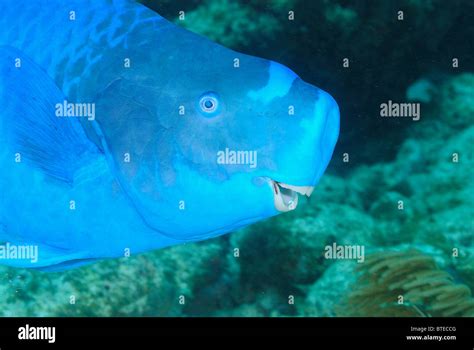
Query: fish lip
[285, 196]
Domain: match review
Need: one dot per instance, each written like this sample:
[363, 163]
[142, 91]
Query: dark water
[398, 197]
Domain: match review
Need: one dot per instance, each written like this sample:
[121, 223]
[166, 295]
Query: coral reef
[407, 283]
[145, 285]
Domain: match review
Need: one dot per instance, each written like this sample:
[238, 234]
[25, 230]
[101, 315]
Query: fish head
[228, 139]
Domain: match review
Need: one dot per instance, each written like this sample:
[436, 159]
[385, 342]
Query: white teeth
[286, 197]
[304, 190]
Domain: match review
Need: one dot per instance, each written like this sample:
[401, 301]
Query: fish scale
[68, 49]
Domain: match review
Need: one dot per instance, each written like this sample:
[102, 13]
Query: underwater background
[402, 189]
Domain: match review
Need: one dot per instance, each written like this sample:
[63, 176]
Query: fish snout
[319, 131]
[329, 132]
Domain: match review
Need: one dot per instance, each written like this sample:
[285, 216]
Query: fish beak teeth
[286, 196]
[304, 190]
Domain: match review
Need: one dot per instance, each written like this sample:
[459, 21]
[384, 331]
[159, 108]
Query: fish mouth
[285, 196]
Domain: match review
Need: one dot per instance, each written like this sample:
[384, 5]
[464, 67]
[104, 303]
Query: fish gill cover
[387, 231]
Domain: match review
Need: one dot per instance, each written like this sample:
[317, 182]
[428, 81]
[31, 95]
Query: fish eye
[209, 103]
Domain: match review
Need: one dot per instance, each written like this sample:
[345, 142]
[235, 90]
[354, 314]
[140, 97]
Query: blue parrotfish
[122, 133]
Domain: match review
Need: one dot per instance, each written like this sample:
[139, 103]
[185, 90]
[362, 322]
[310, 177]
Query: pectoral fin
[30, 99]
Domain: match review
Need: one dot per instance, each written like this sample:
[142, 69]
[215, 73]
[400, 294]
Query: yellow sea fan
[406, 283]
